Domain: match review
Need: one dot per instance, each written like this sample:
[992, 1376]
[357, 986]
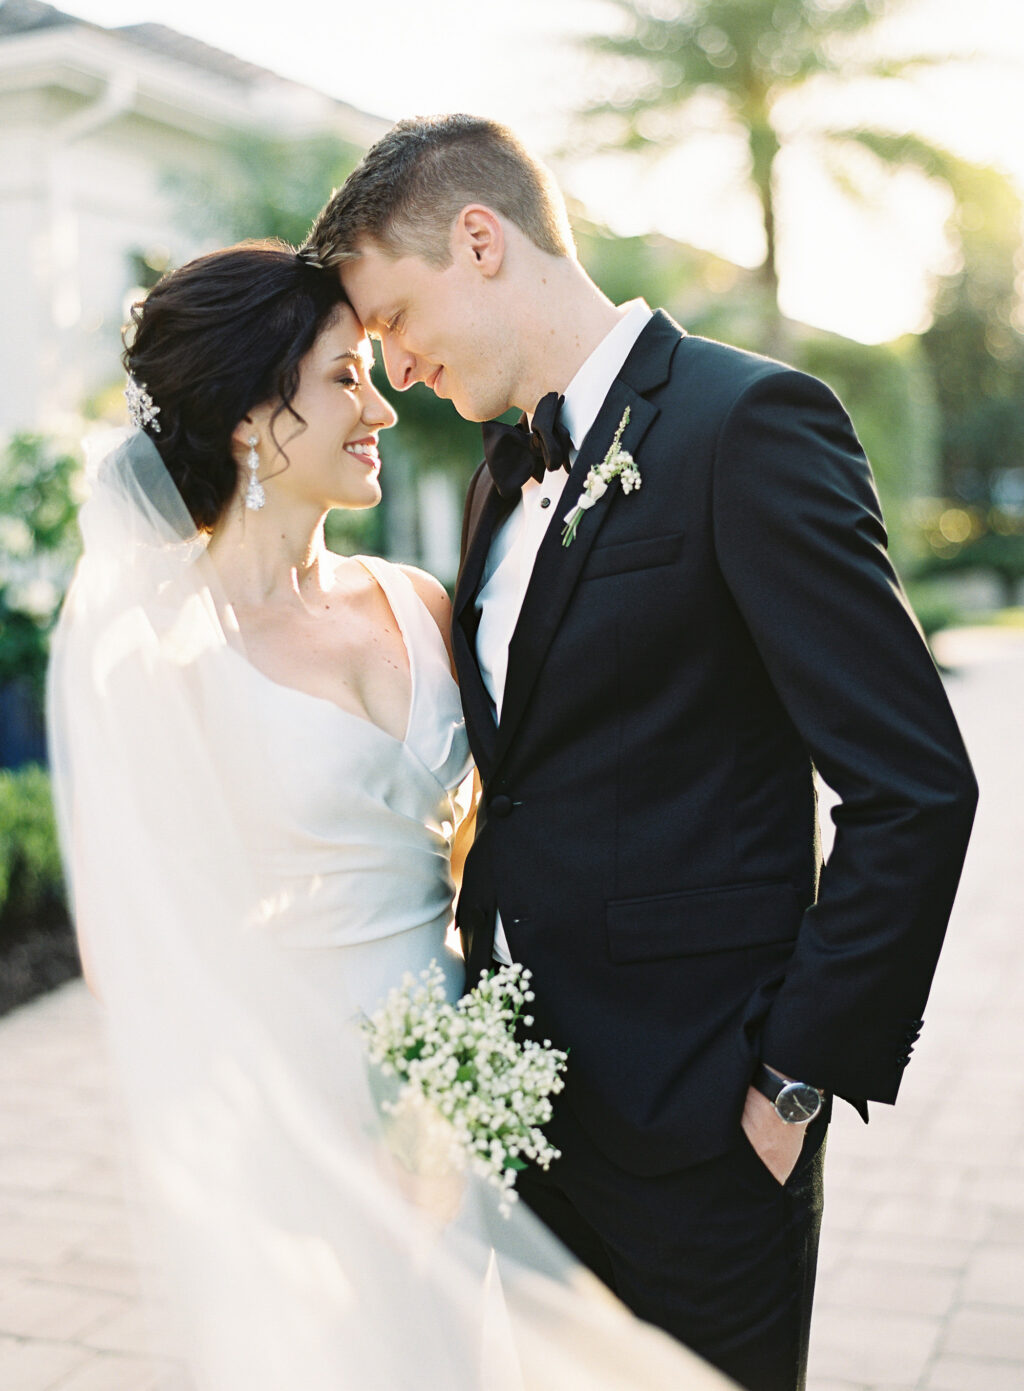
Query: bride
[261, 773]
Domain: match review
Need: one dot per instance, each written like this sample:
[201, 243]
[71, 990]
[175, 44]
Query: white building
[91, 122]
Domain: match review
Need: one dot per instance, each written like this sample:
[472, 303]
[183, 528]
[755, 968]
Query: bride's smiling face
[332, 460]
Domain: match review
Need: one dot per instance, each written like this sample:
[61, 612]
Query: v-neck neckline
[369, 566]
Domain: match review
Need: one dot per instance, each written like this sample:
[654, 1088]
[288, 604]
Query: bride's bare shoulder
[433, 594]
[430, 590]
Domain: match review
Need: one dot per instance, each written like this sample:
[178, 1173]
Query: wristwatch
[794, 1102]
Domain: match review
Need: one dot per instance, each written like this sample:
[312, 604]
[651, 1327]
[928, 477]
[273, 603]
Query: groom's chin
[477, 411]
[476, 404]
[469, 410]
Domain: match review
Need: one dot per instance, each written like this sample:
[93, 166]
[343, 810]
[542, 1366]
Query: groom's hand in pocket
[776, 1144]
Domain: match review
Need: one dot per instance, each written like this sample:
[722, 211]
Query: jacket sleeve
[800, 540]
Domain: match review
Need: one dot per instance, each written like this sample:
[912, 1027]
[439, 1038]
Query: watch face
[798, 1102]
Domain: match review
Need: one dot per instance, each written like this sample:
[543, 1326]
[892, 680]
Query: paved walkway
[69, 1312]
[922, 1275]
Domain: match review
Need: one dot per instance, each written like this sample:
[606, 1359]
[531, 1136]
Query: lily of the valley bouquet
[475, 1095]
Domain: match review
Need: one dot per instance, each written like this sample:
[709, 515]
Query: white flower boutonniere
[617, 463]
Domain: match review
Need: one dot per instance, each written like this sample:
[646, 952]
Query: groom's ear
[479, 234]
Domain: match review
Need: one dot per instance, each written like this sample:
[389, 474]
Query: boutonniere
[617, 463]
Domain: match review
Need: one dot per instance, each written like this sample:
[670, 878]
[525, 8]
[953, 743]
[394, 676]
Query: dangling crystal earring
[255, 497]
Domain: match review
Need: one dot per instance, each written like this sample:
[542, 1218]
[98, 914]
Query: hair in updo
[223, 334]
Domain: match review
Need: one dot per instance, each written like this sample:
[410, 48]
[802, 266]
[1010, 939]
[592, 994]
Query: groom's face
[435, 325]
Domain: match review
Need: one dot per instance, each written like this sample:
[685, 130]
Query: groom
[647, 705]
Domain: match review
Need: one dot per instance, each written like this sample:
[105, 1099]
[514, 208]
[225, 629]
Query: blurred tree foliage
[976, 350]
[263, 187]
[886, 389]
[678, 66]
[675, 67]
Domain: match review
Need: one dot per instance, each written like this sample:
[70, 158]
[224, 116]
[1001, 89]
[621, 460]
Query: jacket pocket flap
[702, 920]
[633, 555]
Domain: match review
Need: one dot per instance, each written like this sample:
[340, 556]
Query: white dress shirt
[513, 551]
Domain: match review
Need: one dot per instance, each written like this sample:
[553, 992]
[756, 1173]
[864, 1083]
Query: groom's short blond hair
[408, 191]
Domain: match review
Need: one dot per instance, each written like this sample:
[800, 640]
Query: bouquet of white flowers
[464, 1077]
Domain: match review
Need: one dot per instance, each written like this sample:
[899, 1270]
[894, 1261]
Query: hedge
[37, 946]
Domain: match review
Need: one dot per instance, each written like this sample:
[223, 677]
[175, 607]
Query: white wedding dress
[251, 868]
[352, 827]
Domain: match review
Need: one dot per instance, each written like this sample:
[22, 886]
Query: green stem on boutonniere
[596, 485]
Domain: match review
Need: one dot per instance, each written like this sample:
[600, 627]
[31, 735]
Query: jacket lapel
[557, 568]
[476, 702]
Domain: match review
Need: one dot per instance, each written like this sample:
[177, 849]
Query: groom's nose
[399, 364]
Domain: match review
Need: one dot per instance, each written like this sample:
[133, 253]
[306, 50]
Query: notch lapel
[557, 568]
[476, 702]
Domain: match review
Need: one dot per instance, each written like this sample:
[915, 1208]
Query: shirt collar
[586, 392]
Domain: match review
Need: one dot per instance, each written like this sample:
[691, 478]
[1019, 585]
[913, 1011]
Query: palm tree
[746, 59]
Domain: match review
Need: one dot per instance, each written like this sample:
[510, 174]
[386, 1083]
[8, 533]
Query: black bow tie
[515, 453]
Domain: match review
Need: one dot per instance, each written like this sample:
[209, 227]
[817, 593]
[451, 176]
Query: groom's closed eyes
[377, 321]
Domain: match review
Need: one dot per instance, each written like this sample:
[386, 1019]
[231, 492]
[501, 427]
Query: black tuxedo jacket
[648, 829]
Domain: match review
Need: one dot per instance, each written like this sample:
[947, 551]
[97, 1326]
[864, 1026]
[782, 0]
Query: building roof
[19, 17]
[170, 43]
[22, 16]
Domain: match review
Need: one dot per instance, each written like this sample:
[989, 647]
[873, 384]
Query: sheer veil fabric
[296, 1250]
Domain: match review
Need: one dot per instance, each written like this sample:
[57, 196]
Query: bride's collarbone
[350, 652]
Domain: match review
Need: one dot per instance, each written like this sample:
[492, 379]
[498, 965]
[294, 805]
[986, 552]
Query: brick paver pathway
[69, 1311]
[922, 1272]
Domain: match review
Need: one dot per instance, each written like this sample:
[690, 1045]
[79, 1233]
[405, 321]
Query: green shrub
[37, 947]
[30, 869]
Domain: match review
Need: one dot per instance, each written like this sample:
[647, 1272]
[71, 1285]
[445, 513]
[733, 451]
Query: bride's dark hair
[215, 338]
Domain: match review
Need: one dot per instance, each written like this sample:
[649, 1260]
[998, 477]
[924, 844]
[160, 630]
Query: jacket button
[501, 805]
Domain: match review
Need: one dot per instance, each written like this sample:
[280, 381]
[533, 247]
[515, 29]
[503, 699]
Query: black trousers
[720, 1255]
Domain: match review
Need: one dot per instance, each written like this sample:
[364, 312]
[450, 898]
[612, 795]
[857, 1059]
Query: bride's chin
[372, 498]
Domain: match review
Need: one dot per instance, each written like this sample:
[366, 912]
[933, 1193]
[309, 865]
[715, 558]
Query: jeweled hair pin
[141, 410]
